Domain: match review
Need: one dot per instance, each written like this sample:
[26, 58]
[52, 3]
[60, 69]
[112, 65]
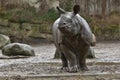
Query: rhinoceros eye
[70, 20]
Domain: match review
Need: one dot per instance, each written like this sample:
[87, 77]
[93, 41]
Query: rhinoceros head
[71, 24]
[68, 23]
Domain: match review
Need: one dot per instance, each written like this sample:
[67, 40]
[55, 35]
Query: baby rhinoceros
[18, 49]
[73, 38]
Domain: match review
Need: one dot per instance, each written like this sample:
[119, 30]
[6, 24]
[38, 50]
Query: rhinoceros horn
[62, 11]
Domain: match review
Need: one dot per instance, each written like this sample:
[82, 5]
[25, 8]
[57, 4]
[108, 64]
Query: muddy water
[108, 51]
[107, 61]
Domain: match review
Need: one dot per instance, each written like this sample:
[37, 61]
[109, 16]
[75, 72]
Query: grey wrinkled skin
[72, 37]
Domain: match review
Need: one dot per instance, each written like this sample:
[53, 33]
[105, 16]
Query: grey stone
[4, 22]
[26, 29]
[91, 53]
[4, 40]
[18, 49]
[93, 40]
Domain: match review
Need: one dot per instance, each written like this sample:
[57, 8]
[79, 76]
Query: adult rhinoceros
[72, 37]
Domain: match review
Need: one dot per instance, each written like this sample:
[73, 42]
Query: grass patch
[51, 15]
[28, 15]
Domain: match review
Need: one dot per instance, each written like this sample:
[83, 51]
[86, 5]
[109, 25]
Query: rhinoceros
[73, 38]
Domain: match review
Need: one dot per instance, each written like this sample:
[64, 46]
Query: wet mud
[106, 65]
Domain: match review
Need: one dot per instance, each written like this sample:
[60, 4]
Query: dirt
[106, 65]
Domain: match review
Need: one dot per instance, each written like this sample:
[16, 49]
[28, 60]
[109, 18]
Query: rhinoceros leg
[64, 62]
[59, 54]
[82, 59]
[71, 57]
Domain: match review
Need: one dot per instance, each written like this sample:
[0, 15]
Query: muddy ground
[106, 65]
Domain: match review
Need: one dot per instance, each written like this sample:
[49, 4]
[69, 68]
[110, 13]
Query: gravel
[107, 60]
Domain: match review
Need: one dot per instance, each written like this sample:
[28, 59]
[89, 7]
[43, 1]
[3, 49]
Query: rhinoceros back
[86, 32]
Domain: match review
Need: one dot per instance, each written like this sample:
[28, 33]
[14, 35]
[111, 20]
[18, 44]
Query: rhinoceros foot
[83, 68]
[73, 69]
[65, 69]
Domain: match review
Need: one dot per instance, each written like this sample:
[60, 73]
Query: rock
[14, 26]
[4, 40]
[18, 49]
[4, 22]
[91, 53]
[14, 29]
[57, 54]
[15, 33]
[94, 40]
[37, 4]
[26, 29]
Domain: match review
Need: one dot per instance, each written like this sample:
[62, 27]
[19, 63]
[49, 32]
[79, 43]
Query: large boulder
[4, 40]
[93, 40]
[18, 49]
[91, 53]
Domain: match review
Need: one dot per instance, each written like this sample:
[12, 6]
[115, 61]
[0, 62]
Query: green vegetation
[28, 15]
[51, 16]
[107, 28]
[67, 4]
[18, 15]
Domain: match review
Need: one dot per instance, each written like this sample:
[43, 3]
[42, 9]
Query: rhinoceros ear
[76, 9]
[62, 11]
